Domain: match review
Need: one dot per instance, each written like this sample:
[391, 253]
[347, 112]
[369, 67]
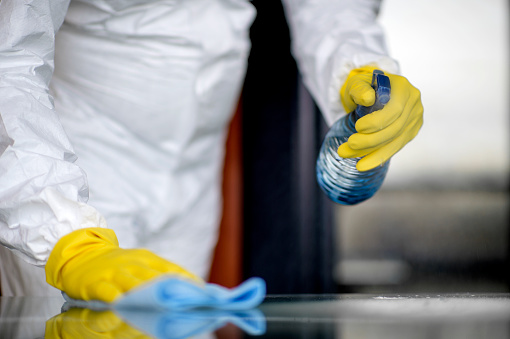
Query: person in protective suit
[113, 122]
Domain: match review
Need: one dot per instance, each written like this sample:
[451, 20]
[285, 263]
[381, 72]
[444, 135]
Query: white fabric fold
[42, 192]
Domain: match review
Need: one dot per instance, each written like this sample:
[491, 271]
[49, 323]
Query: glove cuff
[74, 245]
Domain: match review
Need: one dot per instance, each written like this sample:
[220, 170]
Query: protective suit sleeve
[43, 193]
[331, 38]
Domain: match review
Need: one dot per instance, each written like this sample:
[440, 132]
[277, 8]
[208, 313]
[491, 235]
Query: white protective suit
[130, 129]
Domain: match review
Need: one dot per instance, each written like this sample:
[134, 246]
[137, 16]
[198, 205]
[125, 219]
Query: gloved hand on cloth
[88, 264]
[94, 272]
[382, 133]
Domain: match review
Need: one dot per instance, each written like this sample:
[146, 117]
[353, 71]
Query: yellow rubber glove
[88, 264]
[382, 133]
[82, 323]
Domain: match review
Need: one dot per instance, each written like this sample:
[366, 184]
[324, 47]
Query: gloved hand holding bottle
[383, 133]
[88, 264]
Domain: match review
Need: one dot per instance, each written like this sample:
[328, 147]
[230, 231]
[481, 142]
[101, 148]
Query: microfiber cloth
[170, 293]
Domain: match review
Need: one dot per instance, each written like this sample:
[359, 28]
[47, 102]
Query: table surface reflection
[280, 316]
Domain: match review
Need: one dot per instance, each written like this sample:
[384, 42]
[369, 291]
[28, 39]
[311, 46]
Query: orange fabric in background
[226, 268]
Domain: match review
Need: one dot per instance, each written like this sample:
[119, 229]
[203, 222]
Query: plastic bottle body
[338, 177]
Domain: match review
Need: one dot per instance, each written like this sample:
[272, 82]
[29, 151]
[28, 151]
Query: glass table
[280, 316]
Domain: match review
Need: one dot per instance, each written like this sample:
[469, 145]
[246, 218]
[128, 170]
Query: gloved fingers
[358, 91]
[174, 269]
[155, 265]
[360, 141]
[406, 121]
[369, 162]
[345, 151]
[379, 120]
[380, 155]
[405, 101]
[103, 290]
[132, 277]
[164, 266]
[122, 281]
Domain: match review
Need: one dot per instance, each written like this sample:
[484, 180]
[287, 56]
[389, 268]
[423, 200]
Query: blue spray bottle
[338, 177]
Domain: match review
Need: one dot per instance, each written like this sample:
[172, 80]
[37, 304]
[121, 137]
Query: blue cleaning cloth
[170, 293]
